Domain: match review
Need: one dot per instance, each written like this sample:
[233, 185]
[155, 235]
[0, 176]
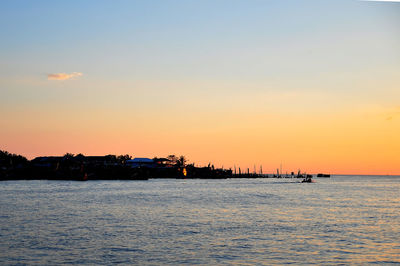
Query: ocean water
[339, 220]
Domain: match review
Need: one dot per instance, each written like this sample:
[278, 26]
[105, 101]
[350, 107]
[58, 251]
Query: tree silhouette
[10, 159]
[68, 155]
[172, 158]
[123, 158]
[181, 161]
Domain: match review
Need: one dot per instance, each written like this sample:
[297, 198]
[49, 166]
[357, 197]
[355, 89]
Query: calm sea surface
[338, 220]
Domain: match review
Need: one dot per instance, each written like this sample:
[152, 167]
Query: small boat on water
[308, 179]
[324, 175]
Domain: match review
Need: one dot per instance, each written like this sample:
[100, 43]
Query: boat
[323, 175]
[308, 179]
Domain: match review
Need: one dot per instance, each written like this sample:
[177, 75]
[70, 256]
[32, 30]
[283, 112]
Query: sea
[342, 220]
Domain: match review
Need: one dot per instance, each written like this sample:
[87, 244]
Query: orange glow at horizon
[337, 144]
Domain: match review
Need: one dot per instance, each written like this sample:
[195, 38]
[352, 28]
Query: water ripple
[338, 221]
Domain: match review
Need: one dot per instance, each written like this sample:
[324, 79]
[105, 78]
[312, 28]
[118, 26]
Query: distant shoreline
[124, 167]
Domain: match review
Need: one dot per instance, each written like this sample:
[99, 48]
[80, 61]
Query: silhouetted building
[141, 162]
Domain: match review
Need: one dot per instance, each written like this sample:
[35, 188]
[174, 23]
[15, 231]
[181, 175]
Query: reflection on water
[338, 220]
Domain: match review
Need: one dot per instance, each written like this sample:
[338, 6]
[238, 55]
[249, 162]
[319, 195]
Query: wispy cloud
[392, 114]
[63, 76]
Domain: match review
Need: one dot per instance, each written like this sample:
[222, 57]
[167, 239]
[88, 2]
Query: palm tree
[181, 161]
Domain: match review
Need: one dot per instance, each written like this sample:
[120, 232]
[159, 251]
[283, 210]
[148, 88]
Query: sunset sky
[310, 84]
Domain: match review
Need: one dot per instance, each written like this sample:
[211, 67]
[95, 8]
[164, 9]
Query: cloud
[376, 111]
[392, 114]
[63, 76]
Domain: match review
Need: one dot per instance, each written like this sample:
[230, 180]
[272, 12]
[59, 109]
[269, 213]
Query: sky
[311, 85]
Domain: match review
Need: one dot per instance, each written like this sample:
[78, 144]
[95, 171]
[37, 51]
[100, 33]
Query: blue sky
[177, 38]
[221, 41]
